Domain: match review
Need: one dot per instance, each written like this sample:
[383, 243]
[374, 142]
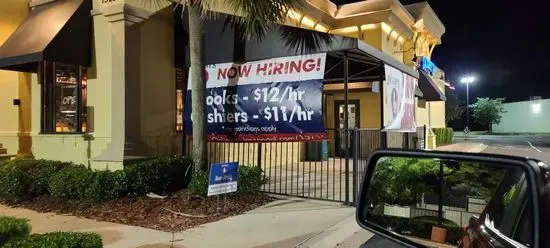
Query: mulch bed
[176, 212]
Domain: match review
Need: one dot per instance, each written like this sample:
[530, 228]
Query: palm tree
[254, 21]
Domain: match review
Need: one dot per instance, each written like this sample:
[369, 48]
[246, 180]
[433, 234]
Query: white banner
[275, 70]
[393, 91]
[400, 101]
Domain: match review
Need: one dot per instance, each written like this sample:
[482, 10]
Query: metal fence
[323, 170]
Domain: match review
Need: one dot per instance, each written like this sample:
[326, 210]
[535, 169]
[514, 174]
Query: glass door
[353, 122]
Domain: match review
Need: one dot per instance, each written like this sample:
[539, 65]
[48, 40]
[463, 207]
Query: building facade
[97, 83]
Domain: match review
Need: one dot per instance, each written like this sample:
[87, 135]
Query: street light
[467, 80]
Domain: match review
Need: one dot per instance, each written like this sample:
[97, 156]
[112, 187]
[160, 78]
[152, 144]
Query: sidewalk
[292, 222]
[472, 147]
[114, 235]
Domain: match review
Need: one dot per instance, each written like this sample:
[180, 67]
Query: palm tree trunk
[198, 88]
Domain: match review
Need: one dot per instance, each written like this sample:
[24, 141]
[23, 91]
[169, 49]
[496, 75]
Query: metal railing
[319, 169]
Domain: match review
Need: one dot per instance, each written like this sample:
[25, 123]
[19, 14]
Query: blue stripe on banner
[266, 108]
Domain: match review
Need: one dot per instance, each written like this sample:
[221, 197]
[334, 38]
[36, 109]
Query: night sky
[501, 42]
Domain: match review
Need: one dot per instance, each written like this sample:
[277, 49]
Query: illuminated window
[180, 97]
[64, 98]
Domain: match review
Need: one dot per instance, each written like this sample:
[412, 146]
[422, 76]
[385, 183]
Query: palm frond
[155, 5]
[257, 15]
[304, 41]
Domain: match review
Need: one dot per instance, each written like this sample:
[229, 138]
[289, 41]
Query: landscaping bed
[160, 214]
[160, 193]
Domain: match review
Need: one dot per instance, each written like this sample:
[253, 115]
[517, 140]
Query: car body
[516, 216]
[516, 229]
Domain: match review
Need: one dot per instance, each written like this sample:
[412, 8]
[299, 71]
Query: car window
[510, 212]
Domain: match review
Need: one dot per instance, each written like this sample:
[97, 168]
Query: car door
[508, 219]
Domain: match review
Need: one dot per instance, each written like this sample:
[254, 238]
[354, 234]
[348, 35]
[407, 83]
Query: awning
[366, 63]
[429, 88]
[58, 31]
[418, 92]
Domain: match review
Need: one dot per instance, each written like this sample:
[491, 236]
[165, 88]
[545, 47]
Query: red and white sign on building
[400, 101]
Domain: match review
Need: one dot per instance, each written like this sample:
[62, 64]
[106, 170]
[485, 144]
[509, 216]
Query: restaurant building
[97, 82]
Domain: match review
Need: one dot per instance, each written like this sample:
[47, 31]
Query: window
[64, 97]
[180, 97]
[510, 210]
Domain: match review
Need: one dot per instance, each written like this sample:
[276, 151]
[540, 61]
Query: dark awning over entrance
[58, 31]
[429, 88]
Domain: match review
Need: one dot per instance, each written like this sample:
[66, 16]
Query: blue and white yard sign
[272, 100]
[223, 178]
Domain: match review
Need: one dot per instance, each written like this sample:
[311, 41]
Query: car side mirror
[421, 198]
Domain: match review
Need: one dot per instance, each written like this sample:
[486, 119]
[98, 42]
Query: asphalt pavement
[532, 146]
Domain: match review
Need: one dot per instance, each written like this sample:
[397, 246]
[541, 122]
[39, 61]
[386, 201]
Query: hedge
[159, 175]
[443, 136]
[21, 179]
[58, 239]
[416, 227]
[250, 181]
[13, 228]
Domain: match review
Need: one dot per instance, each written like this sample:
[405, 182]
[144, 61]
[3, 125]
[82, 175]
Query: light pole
[467, 80]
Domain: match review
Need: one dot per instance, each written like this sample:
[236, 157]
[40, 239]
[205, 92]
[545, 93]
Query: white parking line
[532, 146]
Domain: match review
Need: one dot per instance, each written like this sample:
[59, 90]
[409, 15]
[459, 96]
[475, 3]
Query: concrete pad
[346, 233]
[284, 223]
[288, 222]
[471, 147]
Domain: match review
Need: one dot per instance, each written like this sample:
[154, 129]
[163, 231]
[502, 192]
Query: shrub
[250, 181]
[27, 178]
[106, 185]
[199, 183]
[159, 175]
[13, 228]
[443, 135]
[421, 228]
[70, 182]
[58, 239]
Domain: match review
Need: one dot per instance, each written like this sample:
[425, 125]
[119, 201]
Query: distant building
[525, 117]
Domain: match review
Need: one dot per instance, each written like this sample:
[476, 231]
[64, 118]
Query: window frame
[46, 78]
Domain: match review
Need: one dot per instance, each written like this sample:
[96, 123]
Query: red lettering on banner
[286, 67]
[295, 67]
[244, 71]
[270, 70]
[261, 68]
[232, 72]
[309, 65]
[278, 68]
[407, 120]
[240, 71]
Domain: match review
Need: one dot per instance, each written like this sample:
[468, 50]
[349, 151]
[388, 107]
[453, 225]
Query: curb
[478, 149]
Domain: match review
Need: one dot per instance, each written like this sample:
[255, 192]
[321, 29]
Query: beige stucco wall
[74, 147]
[421, 117]
[158, 136]
[433, 115]
[14, 120]
[437, 114]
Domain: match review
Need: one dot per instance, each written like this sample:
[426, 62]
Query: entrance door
[353, 122]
